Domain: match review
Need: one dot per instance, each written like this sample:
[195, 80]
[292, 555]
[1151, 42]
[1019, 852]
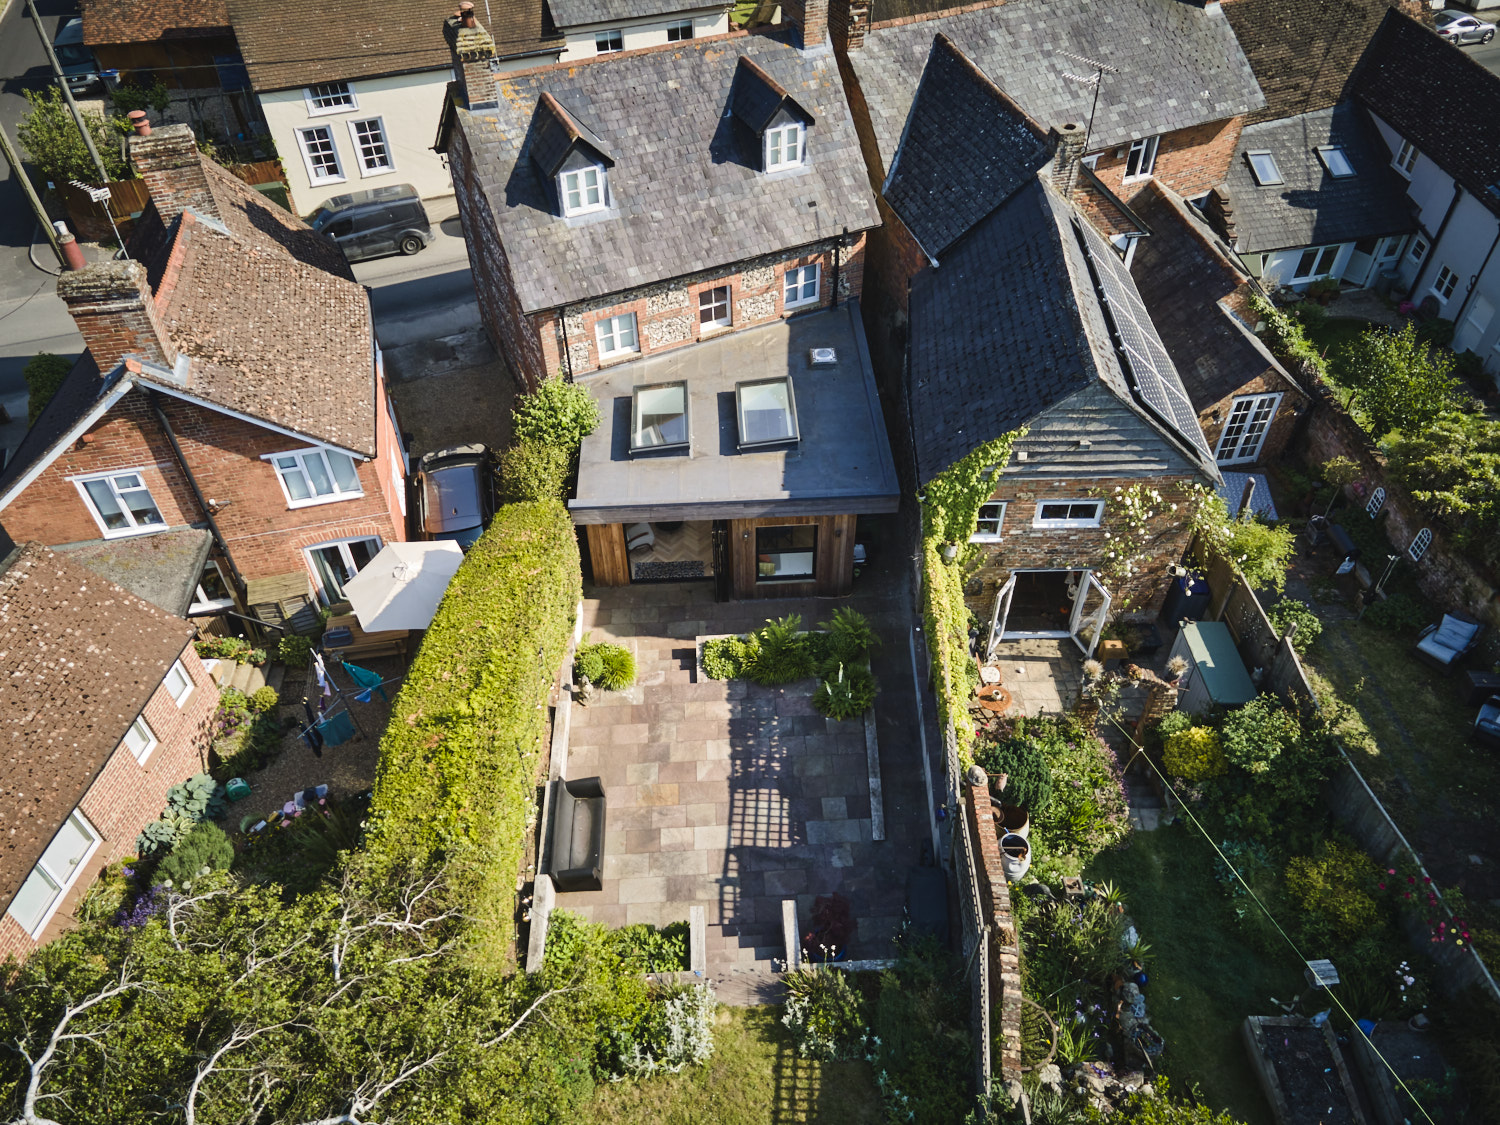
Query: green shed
[1216, 675]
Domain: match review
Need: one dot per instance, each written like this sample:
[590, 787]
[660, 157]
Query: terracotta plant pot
[1016, 820]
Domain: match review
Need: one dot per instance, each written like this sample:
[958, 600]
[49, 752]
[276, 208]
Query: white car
[1460, 27]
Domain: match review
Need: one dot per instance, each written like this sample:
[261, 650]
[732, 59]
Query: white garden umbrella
[400, 588]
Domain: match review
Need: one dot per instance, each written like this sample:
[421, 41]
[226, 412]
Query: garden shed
[1215, 675]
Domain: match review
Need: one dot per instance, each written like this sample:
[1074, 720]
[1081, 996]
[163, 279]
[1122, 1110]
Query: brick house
[106, 708]
[1170, 105]
[232, 382]
[1197, 293]
[682, 229]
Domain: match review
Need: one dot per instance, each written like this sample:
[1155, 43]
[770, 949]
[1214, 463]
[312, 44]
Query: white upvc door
[1245, 432]
[1475, 324]
[1002, 611]
[1090, 613]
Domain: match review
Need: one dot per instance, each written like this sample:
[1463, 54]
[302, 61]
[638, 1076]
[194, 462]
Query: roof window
[658, 417]
[1263, 166]
[1335, 161]
[767, 412]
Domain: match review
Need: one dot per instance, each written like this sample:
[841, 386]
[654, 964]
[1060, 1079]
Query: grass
[1330, 338]
[755, 1077]
[1204, 979]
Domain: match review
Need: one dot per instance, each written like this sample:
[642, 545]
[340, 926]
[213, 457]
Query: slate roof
[1311, 207]
[79, 658]
[1178, 64]
[80, 392]
[1438, 98]
[967, 147]
[685, 191]
[163, 569]
[140, 21]
[575, 13]
[1183, 272]
[293, 42]
[1011, 325]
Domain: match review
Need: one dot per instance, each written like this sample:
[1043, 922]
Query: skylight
[1335, 161]
[1263, 165]
[659, 417]
[767, 412]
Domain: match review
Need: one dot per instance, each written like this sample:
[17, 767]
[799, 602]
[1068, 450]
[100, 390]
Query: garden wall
[1004, 941]
[1350, 799]
[1443, 574]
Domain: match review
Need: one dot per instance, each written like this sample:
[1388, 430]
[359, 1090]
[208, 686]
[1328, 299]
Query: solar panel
[1153, 379]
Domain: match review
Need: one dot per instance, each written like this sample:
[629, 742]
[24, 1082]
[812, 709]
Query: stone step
[275, 676]
[246, 678]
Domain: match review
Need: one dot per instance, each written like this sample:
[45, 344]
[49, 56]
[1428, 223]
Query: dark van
[374, 223]
[76, 60]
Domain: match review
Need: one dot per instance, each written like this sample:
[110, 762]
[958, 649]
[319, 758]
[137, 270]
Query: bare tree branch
[524, 1016]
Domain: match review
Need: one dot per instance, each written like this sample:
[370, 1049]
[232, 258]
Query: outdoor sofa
[1487, 724]
[577, 835]
[1445, 644]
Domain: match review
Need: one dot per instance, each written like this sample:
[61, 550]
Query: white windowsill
[330, 180]
[618, 357]
[333, 111]
[1066, 525]
[376, 174]
[321, 500]
[1138, 179]
[986, 538]
[127, 532]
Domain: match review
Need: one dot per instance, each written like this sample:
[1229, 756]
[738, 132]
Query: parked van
[78, 64]
[374, 223]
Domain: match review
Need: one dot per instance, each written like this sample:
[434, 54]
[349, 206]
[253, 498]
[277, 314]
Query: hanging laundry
[368, 680]
[310, 733]
[337, 729]
[325, 681]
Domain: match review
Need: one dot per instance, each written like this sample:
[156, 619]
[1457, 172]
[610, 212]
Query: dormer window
[582, 190]
[1335, 160]
[783, 146]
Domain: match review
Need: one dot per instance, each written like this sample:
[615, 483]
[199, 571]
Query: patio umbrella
[401, 586]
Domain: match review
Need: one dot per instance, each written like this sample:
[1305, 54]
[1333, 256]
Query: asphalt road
[1487, 56]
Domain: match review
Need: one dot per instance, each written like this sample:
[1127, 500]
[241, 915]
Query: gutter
[1416, 282]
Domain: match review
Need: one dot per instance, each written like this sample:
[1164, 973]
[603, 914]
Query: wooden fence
[128, 198]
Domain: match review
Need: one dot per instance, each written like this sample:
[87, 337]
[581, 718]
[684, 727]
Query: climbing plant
[1132, 539]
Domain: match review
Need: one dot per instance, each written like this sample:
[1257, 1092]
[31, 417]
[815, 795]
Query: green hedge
[458, 762]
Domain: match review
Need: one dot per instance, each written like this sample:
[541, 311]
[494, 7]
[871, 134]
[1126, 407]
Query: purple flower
[146, 907]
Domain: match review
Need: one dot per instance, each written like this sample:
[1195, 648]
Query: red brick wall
[1005, 946]
[128, 795]
[264, 534]
[1189, 161]
[1023, 547]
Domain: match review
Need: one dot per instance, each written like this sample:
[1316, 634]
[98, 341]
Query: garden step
[246, 678]
[275, 676]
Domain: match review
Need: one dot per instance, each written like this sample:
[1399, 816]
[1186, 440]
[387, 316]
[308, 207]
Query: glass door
[1090, 612]
[333, 564]
[1002, 611]
[1245, 432]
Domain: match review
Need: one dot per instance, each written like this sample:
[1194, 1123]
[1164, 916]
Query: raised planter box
[1301, 1071]
[1418, 1060]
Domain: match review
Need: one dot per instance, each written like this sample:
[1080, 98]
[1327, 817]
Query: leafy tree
[44, 374]
[557, 413]
[51, 138]
[1401, 383]
[1260, 550]
[1260, 732]
[130, 97]
[1453, 467]
[1289, 612]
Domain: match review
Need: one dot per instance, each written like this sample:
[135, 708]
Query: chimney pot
[466, 13]
[139, 120]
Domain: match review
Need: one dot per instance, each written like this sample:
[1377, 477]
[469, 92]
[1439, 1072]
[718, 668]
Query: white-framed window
[140, 739]
[1419, 545]
[1418, 249]
[1406, 159]
[1316, 261]
[178, 683]
[1336, 161]
[801, 285]
[679, 30]
[1069, 513]
[398, 476]
[617, 335]
[1446, 282]
[371, 147]
[1263, 168]
[582, 190]
[991, 522]
[315, 476]
[121, 504]
[320, 154]
[1246, 428]
[784, 146]
[329, 97]
[608, 41]
[1140, 158]
[713, 307]
[58, 869]
[212, 593]
[336, 562]
[1377, 501]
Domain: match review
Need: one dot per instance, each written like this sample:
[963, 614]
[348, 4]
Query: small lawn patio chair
[1487, 724]
[1446, 644]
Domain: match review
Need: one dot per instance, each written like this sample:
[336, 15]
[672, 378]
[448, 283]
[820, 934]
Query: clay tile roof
[141, 21]
[293, 42]
[79, 658]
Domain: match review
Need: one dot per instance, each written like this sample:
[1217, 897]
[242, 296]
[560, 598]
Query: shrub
[1335, 888]
[43, 373]
[1310, 313]
[1021, 759]
[783, 654]
[1453, 469]
[679, 1032]
[1401, 382]
[847, 694]
[557, 413]
[824, 1014]
[1168, 725]
[1399, 613]
[1258, 733]
[1285, 336]
[1289, 612]
[189, 804]
[1195, 754]
[850, 637]
[458, 757]
[294, 651]
[608, 666]
[127, 97]
[652, 950]
[224, 648]
[205, 846]
[726, 658]
[1165, 1107]
[262, 700]
[532, 470]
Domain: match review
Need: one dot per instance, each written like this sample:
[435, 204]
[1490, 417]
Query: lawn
[754, 1078]
[1330, 338]
[1204, 979]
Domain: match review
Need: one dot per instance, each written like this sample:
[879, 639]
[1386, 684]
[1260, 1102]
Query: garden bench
[577, 862]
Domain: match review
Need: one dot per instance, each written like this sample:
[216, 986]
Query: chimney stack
[112, 305]
[809, 15]
[1067, 154]
[473, 52]
[169, 161]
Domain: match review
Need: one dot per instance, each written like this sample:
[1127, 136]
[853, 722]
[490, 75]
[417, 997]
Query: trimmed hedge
[458, 762]
[530, 470]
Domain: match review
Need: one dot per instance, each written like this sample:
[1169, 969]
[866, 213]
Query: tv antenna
[1095, 80]
[100, 195]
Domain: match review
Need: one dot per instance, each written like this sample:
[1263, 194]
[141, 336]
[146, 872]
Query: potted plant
[1325, 290]
[1176, 667]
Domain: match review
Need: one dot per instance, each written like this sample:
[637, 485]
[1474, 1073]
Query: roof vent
[822, 357]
